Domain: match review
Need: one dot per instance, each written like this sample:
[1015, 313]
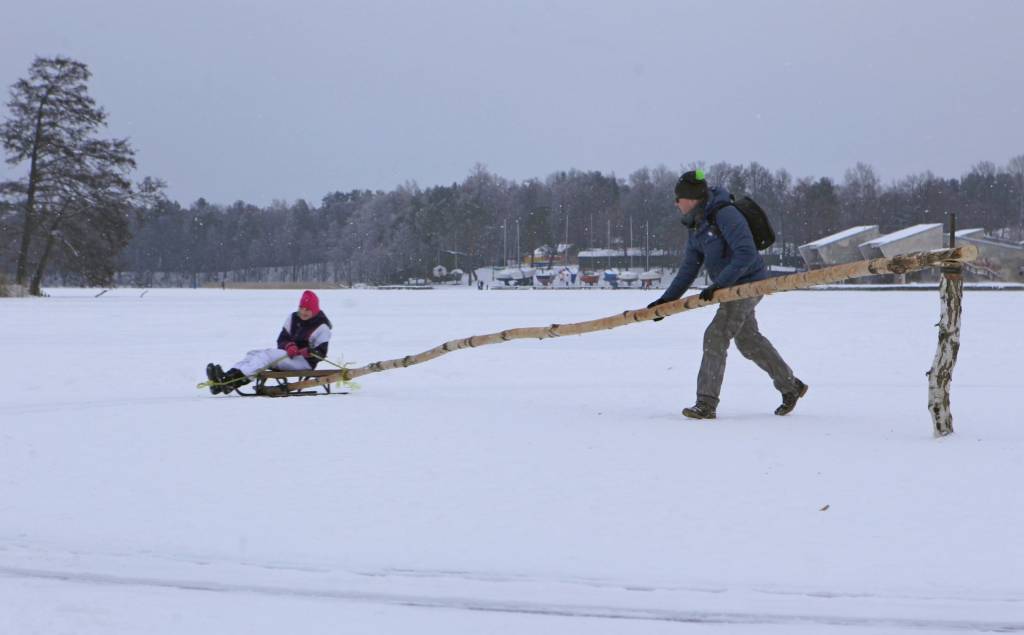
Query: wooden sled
[282, 383]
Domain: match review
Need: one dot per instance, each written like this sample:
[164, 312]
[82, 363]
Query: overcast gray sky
[257, 100]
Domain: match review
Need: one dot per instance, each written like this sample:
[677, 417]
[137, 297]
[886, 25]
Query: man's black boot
[789, 399]
[700, 410]
[233, 380]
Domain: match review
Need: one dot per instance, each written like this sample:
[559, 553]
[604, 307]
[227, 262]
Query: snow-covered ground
[528, 487]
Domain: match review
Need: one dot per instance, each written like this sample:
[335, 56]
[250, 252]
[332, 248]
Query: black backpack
[764, 235]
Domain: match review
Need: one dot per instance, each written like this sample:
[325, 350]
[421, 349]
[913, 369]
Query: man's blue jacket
[725, 247]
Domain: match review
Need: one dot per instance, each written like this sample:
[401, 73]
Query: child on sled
[301, 344]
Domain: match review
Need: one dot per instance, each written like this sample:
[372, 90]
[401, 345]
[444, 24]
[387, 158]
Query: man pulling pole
[721, 241]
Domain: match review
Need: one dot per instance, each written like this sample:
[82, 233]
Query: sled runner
[285, 383]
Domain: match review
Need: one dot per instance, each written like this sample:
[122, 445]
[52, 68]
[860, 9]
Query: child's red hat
[310, 301]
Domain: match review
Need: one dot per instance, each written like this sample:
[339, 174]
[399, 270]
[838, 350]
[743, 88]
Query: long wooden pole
[896, 264]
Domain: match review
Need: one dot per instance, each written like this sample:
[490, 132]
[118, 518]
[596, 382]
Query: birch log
[896, 264]
[951, 293]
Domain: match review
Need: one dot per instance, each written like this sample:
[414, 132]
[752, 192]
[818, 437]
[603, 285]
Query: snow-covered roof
[843, 235]
[969, 232]
[544, 250]
[637, 251]
[985, 239]
[901, 234]
[615, 253]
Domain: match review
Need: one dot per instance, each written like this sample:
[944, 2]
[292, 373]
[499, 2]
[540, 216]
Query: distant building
[546, 256]
[922, 237]
[999, 260]
[964, 233]
[838, 248]
[631, 258]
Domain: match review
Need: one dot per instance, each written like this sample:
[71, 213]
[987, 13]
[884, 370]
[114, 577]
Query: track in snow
[518, 607]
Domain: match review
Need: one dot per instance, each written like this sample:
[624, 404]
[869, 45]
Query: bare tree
[85, 211]
[72, 174]
[858, 197]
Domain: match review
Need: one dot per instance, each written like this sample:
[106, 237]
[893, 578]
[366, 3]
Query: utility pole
[782, 235]
[630, 250]
[518, 252]
[608, 242]
[566, 231]
[647, 245]
[565, 251]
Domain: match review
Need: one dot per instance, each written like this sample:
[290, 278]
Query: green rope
[343, 367]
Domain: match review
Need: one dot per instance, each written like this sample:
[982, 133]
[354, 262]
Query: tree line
[389, 236]
[76, 213]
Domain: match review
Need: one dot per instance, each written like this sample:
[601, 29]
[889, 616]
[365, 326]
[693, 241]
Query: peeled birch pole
[951, 293]
[897, 264]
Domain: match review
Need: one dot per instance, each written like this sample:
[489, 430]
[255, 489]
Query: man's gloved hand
[656, 303]
[304, 352]
[708, 292]
[292, 349]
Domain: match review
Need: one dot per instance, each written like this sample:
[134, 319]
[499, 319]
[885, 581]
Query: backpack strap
[710, 214]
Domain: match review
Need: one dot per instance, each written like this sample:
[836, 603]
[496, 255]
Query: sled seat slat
[292, 374]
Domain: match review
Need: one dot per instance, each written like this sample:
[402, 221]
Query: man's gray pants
[736, 321]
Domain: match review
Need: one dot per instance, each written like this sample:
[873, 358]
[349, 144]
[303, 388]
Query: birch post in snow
[951, 293]
[896, 264]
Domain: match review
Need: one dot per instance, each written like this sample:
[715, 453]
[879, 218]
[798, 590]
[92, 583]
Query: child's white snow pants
[258, 360]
